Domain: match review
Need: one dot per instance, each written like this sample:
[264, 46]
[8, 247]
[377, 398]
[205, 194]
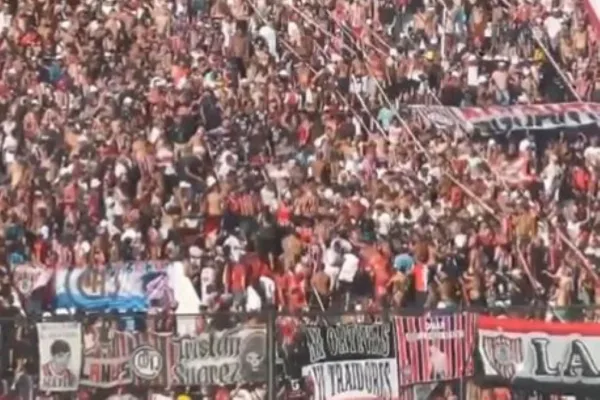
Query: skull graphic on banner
[504, 354]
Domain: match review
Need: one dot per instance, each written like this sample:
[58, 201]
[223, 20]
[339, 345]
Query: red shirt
[291, 287]
[421, 276]
[255, 267]
[94, 206]
[70, 194]
[296, 292]
[581, 179]
[40, 249]
[237, 278]
[456, 197]
[283, 214]
[303, 133]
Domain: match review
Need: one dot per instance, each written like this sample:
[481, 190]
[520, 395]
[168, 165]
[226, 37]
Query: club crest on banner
[504, 354]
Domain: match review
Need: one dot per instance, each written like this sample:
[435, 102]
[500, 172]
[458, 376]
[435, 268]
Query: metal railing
[270, 352]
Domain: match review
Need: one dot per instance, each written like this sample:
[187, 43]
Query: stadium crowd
[262, 143]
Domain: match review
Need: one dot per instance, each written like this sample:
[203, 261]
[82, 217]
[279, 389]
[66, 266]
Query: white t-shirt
[207, 278]
[332, 261]
[553, 26]
[270, 36]
[384, 222]
[237, 248]
[349, 268]
[253, 301]
[592, 154]
[473, 75]
[269, 198]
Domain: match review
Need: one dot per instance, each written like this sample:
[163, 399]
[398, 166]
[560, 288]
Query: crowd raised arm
[301, 155]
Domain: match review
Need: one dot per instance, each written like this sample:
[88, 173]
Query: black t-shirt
[192, 164]
[387, 13]
[435, 76]
[268, 241]
[211, 112]
[182, 131]
[451, 96]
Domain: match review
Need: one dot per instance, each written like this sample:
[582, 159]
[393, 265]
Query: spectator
[266, 146]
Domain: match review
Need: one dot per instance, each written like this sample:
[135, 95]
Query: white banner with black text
[540, 353]
[352, 362]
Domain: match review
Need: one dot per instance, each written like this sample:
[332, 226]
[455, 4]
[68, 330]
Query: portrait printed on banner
[57, 368]
[60, 349]
[253, 360]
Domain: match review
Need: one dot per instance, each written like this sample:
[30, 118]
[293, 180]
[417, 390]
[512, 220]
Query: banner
[439, 116]
[122, 287]
[115, 358]
[502, 119]
[28, 278]
[435, 348]
[540, 353]
[59, 345]
[351, 361]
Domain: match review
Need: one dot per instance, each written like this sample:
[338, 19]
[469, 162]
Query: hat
[211, 181]
[44, 232]
[523, 99]
[129, 233]
[195, 252]
[460, 240]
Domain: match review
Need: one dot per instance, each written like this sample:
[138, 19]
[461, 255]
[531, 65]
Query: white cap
[44, 232]
[523, 98]
[95, 183]
[460, 240]
[210, 181]
[85, 247]
[120, 170]
[93, 26]
[195, 251]
[129, 233]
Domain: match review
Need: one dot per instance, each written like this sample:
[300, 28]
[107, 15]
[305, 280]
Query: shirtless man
[562, 297]
[213, 209]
